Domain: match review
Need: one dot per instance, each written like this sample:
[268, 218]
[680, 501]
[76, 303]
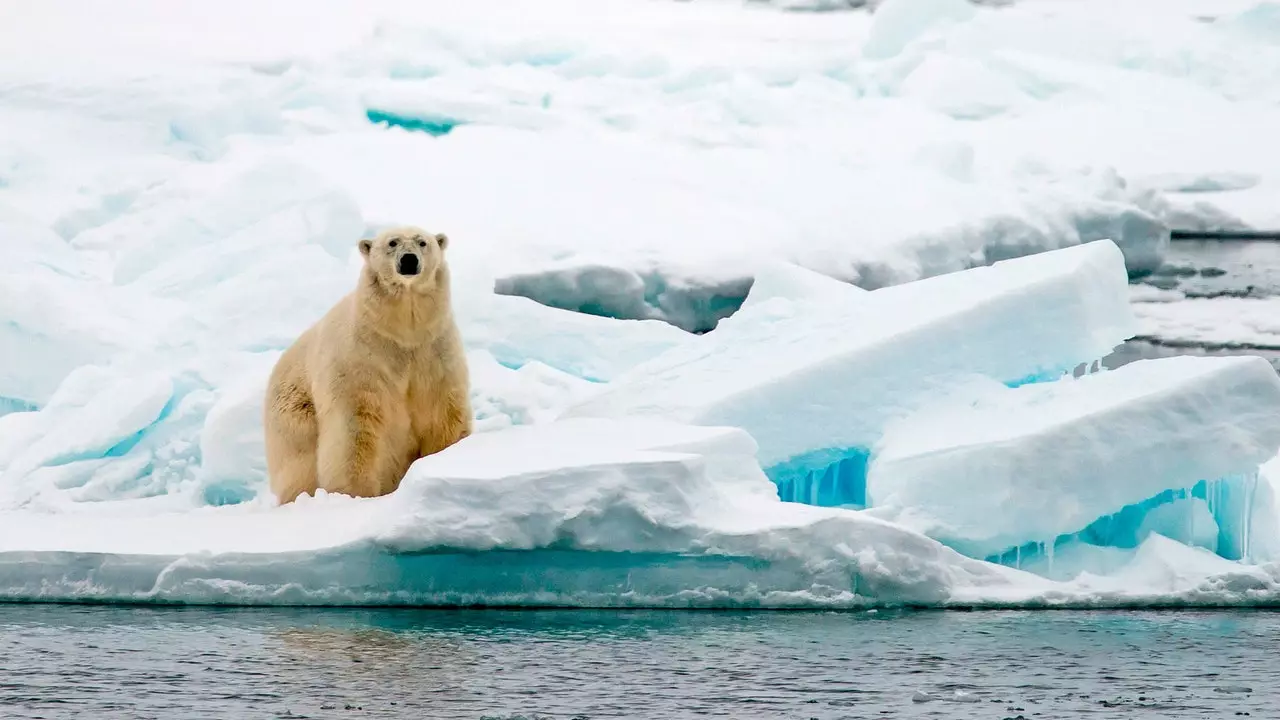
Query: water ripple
[136, 663]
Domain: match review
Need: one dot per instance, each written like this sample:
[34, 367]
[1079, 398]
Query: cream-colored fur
[378, 382]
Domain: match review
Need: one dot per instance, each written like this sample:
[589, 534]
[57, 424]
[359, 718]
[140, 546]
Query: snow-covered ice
[649, 155]
[585, 512]
[817, 408]
[137, 485]
[1000, 469]
[579, 512]
[1225, 322]
[848, 206]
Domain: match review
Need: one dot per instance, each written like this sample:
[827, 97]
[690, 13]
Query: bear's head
[405, 256]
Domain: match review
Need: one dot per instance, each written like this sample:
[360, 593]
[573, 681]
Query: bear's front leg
[451, 422]
[355, 449]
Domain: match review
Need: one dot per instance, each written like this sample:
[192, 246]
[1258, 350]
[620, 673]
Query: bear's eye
[422, 243]
[393, 243]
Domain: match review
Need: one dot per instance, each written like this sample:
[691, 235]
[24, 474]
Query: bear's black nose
[408, 265]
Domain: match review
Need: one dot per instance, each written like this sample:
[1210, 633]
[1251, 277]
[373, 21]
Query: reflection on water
[117, 662]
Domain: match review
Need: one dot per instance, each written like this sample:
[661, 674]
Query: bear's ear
[442, 240]
[365, 247]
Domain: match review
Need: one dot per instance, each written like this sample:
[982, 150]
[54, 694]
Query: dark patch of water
[122, 662]
[1220, 268]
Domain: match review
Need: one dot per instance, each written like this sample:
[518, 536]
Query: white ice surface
[608, 512]
[175, 206]
[1223, 322]
[792, 283]
[999, 468]
[627, 511]
[670, 147]
[643, 513]
[882, 353]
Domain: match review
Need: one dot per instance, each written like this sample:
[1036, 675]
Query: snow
[606, 512]
[1222, 322]
[883, 353]
[712, 263]
[994, 471]
[898, 23]
[792, 282]
[752, 130]
[586, 512]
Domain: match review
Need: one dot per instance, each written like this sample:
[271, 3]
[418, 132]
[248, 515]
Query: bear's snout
[408, 265]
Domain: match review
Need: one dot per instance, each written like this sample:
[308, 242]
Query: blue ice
[1088, 458]
[817, 407]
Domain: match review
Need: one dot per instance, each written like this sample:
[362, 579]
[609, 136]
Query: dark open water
[128, 662]
[1210, 269]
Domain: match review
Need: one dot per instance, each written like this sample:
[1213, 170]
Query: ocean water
[1211, 269]
[1217, 268]
[136, 662]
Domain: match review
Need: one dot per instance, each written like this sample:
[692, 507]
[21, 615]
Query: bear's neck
[407, 317]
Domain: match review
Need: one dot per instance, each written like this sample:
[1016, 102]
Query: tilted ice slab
[788, 281]
[1035, 463]
[815, 381]
[582, 512]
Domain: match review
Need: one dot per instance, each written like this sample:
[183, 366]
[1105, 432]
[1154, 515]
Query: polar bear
[378, 382]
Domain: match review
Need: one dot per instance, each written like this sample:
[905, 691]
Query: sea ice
[580, 513]
[56, 312]
[593, 512]
[793, 282]
[816, 385]
[1032, 464]
[897, 23]
[174, 211]
[272, 208]
[1224, 322]
[515, 330]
